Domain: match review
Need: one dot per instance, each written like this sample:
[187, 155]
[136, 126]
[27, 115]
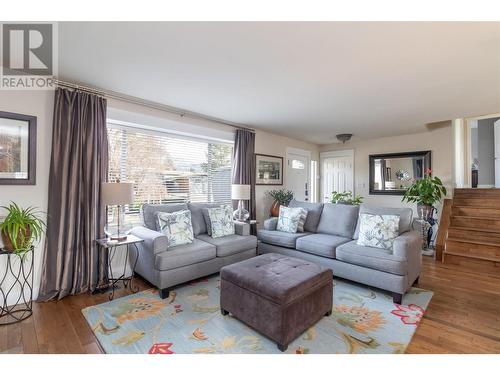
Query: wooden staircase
[471, 230]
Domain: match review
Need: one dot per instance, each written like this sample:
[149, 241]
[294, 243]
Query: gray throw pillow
[177, 227]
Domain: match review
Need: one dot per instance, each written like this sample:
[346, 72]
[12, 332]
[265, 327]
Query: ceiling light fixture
[344, 137]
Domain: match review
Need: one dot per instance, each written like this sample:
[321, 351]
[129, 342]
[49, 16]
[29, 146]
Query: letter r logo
[27, 49]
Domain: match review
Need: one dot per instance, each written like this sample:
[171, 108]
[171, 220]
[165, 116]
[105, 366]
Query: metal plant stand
[128, 244]
[17, 281]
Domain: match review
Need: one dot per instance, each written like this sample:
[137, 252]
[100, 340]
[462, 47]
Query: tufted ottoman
[278, 296]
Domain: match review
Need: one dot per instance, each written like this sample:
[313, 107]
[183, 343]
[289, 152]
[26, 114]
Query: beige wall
[438, 141]
[272, 144]
[39, 104]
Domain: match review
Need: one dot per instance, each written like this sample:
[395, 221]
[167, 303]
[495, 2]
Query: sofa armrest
[271, 224]
[408, 244]
[154, 241]
[242, 229]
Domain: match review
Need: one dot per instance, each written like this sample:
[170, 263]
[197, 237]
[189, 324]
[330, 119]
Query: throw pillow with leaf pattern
[221, 221]
[290, 218]
[177, 227]
[378, 230]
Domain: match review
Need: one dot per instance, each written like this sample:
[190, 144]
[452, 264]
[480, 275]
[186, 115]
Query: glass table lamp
[240, 193]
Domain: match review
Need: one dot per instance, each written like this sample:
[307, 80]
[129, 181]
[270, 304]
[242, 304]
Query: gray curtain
[72, 263]
[244, 165]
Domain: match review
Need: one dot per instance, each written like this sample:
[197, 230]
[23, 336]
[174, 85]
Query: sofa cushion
[321, 244]
[338, 219]
[378, 230]
[185, 255]
[313, 214]
[149, 213]
[274, 237]
[199, 224]
[290, 218]
[231, 244]
[405, 216]
[371, 257]
[177, 227]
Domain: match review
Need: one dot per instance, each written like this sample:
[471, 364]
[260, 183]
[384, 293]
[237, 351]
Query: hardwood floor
[463, 317]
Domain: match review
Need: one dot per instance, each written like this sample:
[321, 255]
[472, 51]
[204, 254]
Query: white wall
[39, 104]
[438, 141]
[272, 144]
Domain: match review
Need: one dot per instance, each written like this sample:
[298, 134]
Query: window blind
[166, 168]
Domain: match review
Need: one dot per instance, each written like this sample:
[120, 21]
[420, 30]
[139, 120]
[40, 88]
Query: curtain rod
[147, 103]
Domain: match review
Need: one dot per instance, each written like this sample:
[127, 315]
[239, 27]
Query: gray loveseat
[329, 239]
[165, 266]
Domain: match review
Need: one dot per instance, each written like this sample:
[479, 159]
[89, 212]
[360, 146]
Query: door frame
[335, 154]
[305, 153]
[467, 143]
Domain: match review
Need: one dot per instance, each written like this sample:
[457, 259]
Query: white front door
[297, 178]
[337, 175]
[496, 125]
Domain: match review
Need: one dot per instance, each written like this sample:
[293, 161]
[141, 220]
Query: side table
[17, 281]
[126, 245]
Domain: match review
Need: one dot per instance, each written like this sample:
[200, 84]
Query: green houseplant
[425, 192]
[346, 198]
[21, 227]
[282, 197]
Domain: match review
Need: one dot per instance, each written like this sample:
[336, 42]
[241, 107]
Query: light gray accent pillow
[177, 227]
[378, 230]
[338, 219]
[289, 219]
[149, 213]
[405, 216]
[313, 214]
[221, 221]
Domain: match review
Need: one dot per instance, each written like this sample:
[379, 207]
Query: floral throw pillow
[378, 230]
[289, 219]
[221, 221]
[177, 227]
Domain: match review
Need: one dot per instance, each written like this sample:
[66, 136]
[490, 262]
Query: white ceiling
[309, 81]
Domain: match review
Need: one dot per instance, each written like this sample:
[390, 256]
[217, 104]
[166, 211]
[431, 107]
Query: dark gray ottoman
[278, 296]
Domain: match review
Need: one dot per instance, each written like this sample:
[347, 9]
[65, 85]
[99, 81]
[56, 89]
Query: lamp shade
[117, 193]
[240, 192]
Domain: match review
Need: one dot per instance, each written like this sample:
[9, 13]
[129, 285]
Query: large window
[168, 168]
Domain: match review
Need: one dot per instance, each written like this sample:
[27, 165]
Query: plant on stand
[425, 192]
[346, 198]
[20, 228]
[282, 197]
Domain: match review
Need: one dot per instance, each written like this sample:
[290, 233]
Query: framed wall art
[269, 169]
[17, 149]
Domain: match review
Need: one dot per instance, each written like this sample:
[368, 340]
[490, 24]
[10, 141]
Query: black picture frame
[427, 157]
[32, 122]
[279, 159]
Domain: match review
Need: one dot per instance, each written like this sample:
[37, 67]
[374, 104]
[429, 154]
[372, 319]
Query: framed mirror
[391, 174]
[17, 149]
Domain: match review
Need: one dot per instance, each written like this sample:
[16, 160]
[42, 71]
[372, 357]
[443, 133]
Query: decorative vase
[7, 243]
[425, 211]
[275, 209]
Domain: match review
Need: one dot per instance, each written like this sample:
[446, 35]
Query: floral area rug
[364, 320]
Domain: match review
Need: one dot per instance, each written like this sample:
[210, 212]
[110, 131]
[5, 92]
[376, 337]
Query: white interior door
[497, 153]
[298, 176]
[337, 175]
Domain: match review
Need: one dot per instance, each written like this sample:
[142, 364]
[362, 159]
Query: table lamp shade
[240, 192]
[117, 193]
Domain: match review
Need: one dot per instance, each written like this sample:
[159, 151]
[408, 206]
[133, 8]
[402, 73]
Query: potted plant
[282, 197]
[346, 198]
[425, 192]
[20, 228]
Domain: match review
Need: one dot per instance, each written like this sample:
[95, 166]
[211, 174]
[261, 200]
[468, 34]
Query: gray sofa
[165, 267]
[330, 239]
